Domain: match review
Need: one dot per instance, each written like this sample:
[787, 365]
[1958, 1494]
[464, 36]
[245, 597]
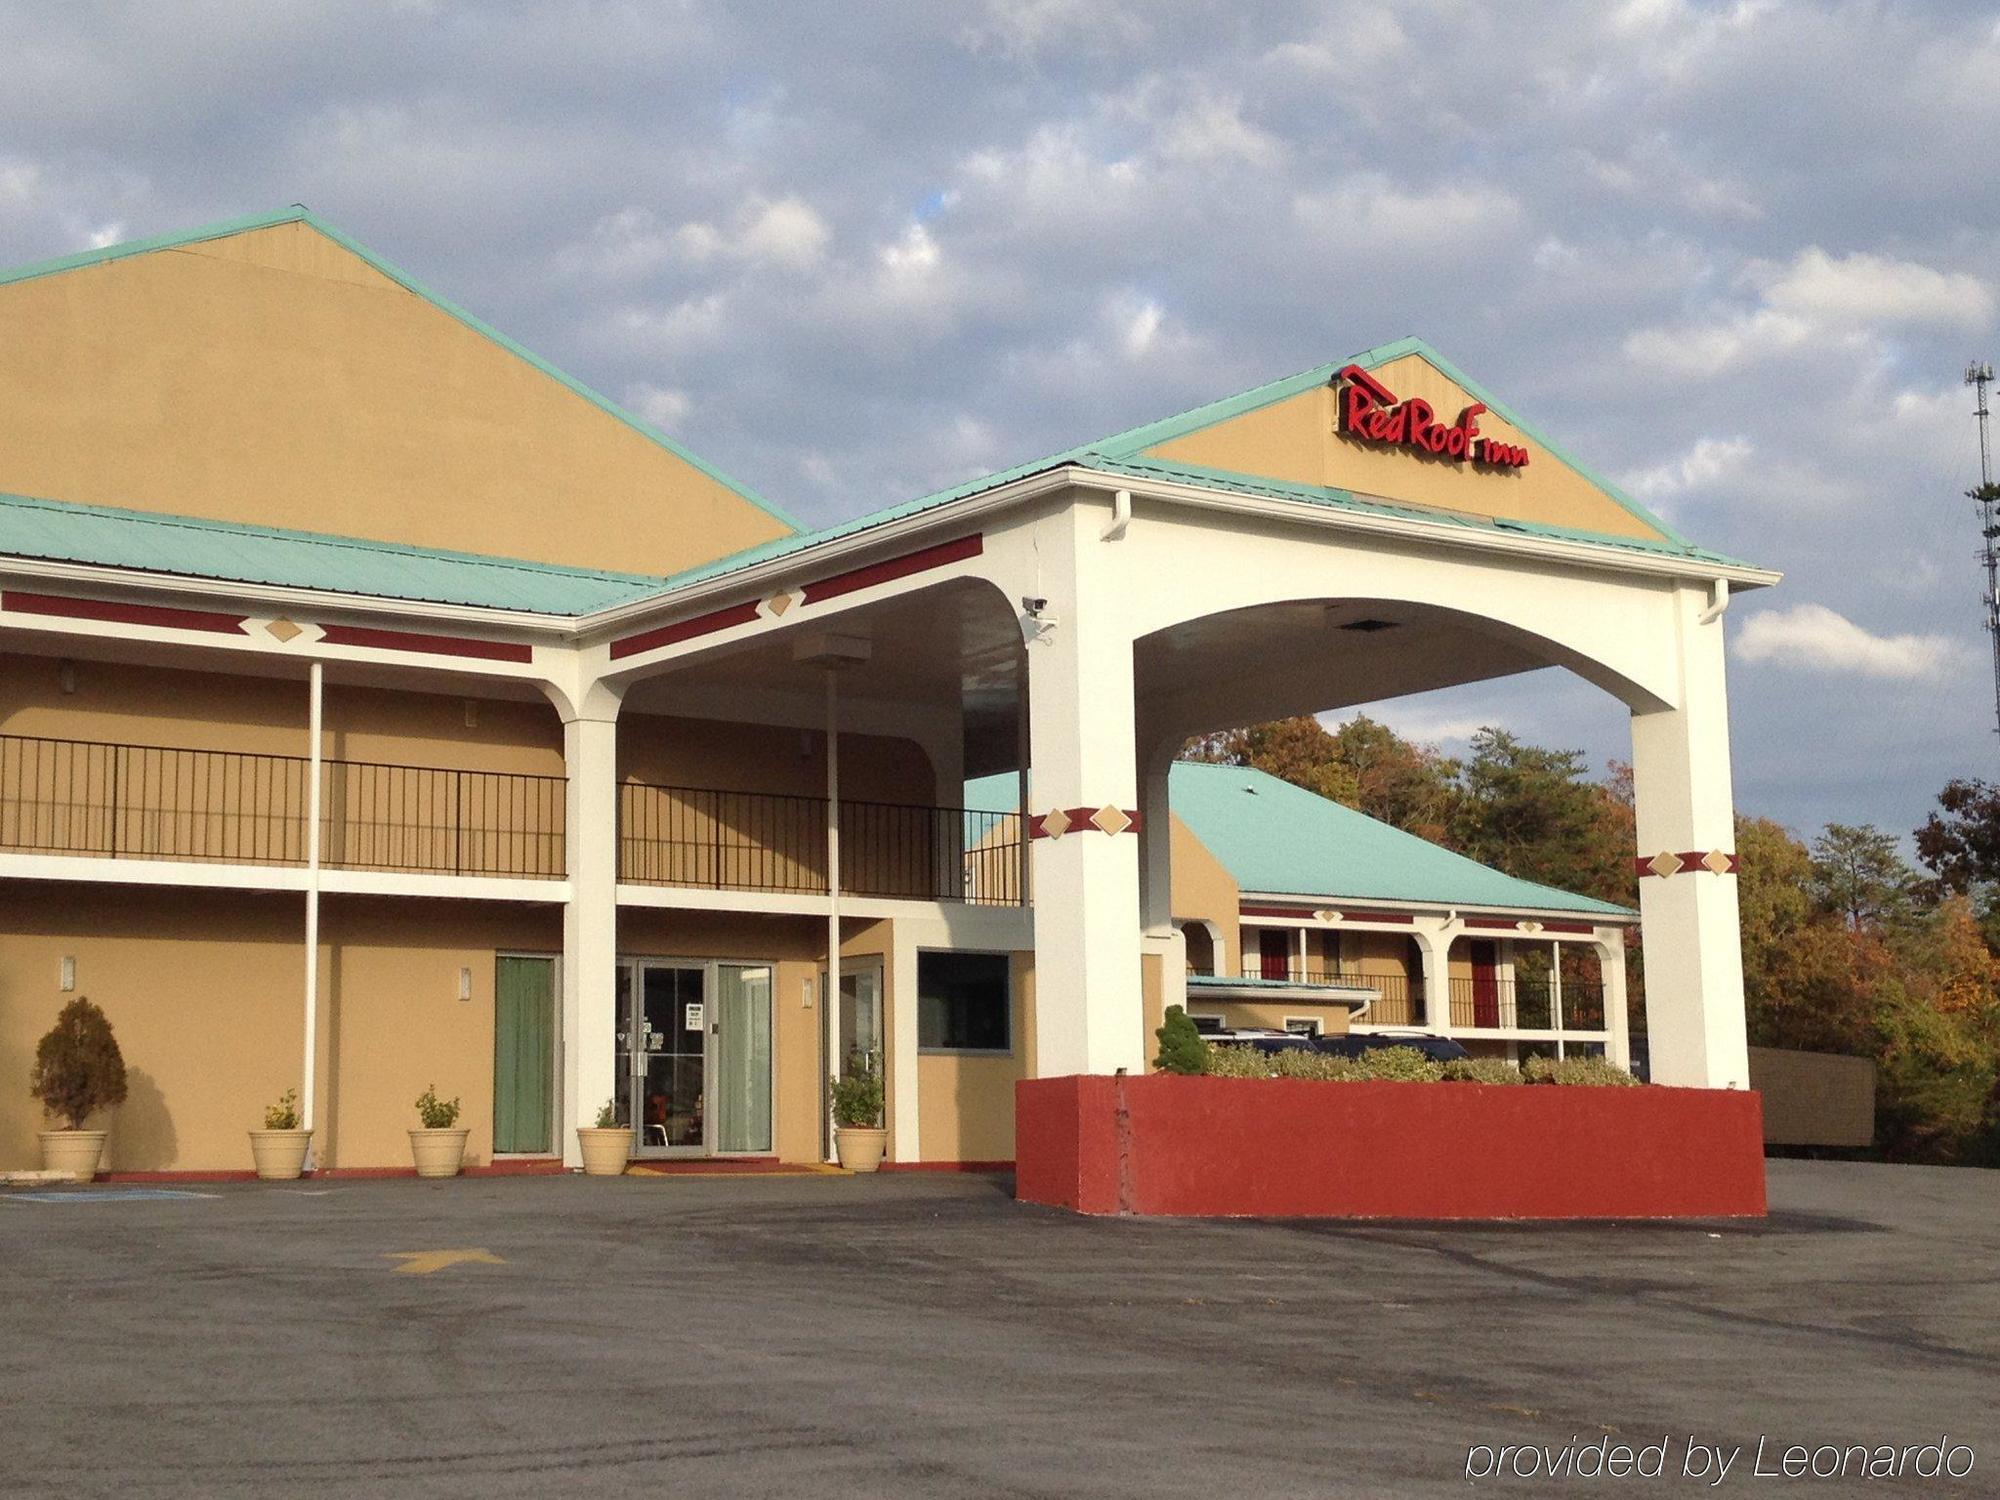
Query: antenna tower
[1986, 499]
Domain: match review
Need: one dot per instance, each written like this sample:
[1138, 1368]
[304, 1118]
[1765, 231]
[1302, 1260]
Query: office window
[1302, 1025]
[964, 1002]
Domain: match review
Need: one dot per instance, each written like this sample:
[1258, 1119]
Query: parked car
[1436, 1048]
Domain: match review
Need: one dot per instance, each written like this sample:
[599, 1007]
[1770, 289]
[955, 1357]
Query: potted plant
[858, 1135]
[78, 1071]
[279, 1149]
[439, 1147]
[606, 1146]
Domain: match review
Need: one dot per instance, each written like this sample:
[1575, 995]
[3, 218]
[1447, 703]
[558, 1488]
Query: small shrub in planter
[858, 1136]
[1181, 1048]
[439, 1147]
[607, 1146]
[279, 1149]
[78, 1071]
[1482, 1070]
[1584, 1071]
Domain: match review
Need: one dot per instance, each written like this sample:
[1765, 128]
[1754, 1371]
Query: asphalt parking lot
[919, 1335]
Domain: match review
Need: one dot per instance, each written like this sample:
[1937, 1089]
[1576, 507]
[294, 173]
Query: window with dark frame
[964, 1002]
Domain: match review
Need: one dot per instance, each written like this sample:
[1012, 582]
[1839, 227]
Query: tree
[1962, 848]
[78, 1068]
[1536, 814]
[1364, 765]
[1858, 873]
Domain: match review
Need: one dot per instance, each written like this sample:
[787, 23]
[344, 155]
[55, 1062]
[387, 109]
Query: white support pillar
[1088, 998]
[832, 1064]
[309, 1067]
[590, 922]
[1556, 996]
[1687, 840]
[899, 982]
[1611, 971]
[1434, 938]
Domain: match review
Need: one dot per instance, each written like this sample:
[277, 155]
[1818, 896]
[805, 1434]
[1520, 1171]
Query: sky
[1735, 256]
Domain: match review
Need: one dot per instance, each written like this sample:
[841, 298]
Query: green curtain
[524, 1020]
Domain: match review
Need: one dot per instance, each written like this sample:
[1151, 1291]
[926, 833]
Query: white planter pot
[76, 1153]
[859, 1148]
[439, 1153]
[279, 1155]
[605, 1151]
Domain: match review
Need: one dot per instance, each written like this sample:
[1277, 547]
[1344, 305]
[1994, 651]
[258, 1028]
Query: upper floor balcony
[107, 801]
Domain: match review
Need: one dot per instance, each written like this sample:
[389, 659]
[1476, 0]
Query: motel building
[381, 708]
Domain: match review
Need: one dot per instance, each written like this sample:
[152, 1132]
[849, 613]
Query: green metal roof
[298, 213]
[59, 531]
[1276, 839]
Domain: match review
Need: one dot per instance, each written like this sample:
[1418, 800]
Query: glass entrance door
[695, 1056]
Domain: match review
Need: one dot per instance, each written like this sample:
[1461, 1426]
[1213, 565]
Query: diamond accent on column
[1110, 820]
[284, 630]
[779, 602]
[1327, 916]
[1715, 862]
[1529, 926]
[1664, 864]
[1056, 824]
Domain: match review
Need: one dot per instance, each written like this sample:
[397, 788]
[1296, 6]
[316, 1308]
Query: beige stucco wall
[965, 1102]
[273, 377]
[1332, 1018]
[1203, 891]
[1297, 440]
[204, 991]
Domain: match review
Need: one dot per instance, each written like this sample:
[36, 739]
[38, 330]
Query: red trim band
[684, 630]
[163, 616]
[430, 645]
[1078, 820]
[1692, 862]
[895, 567]
[1311, 913]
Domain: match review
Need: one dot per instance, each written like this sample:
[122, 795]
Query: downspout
[1121, 515]
[315, 701]
[1718, 601]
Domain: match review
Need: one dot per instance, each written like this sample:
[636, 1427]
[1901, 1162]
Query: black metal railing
[770, 841]
[1526, 1005]
[116, 801]
[1396, 1003]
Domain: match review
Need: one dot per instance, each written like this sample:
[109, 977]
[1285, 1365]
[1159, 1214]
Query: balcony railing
[766, 841]
[1394, 1004]
[114, 801]
[1526, 1005]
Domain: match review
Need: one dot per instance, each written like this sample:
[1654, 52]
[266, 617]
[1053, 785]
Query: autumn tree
[1858, 873]
[1536, 814]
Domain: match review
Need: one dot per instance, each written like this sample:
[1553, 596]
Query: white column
[309, 1068]
[1694, 957]
[832, 1062]
[1435, 941]
[590, 923]
[1088, 1010]
[1556, 995]
[1611, 971]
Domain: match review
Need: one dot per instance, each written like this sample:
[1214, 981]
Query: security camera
[1034, 606]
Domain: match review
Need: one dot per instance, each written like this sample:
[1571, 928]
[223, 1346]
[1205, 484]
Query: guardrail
[771, 841]
[158, 802]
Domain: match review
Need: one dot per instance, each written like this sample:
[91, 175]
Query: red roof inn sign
[1370, 411]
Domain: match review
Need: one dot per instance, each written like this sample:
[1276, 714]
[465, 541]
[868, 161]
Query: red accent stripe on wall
[1691, 863]
[432, 645]
[895, 567]
[684, 630]
[1079, 822]
[163, 616]
[1310, 913]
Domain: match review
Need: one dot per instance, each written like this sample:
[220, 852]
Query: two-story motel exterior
[381, 708]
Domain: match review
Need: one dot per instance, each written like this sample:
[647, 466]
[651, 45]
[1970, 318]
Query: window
[1208, 1025]
[1302, 1025]
[964, 1002]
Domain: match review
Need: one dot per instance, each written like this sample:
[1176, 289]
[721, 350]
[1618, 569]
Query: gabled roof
[298, 213]
[1276, 839]
[1127, 452]
[61, 531]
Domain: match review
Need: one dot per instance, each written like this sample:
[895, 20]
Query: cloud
[1812, 637]
[1817, 299]
[1710, 462]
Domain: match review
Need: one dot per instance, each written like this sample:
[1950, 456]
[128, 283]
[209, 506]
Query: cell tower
[1985, 500]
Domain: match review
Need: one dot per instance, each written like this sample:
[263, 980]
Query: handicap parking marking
[103, 1195]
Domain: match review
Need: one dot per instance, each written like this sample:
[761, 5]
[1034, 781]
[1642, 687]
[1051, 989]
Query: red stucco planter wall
[1163, 1144]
